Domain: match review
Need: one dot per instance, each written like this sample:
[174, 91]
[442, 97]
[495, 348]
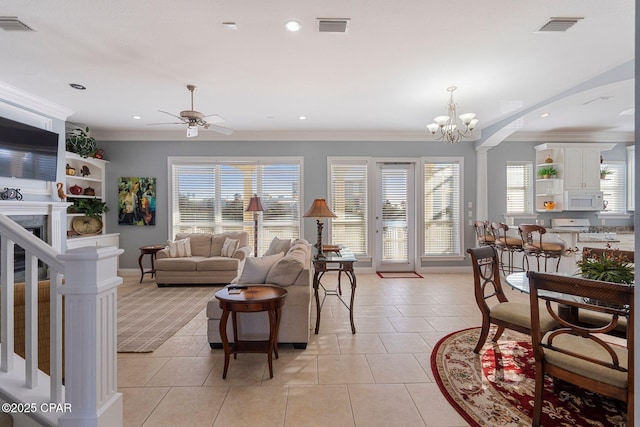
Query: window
[442, 207]
[519, 188]
[211, 195]
[613, 187]
[349, 201]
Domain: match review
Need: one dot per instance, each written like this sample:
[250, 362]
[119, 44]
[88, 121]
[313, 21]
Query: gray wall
[149, 158]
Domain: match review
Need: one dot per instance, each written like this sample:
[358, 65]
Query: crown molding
[572, 137]
[22, 99]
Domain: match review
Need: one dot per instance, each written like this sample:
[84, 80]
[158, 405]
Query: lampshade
[255, 205]
[319, 209]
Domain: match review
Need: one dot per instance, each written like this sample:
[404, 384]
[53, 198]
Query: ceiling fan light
[192, 131]
[442, 120]
[467, 117]
[433, 128]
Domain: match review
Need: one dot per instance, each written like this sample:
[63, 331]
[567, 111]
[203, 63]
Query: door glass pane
[394, 220]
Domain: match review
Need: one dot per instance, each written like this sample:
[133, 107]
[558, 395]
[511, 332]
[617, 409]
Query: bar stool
[505, 243]
[484, 235]
[533, 245]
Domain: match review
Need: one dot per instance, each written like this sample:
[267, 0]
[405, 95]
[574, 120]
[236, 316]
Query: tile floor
[381, 376]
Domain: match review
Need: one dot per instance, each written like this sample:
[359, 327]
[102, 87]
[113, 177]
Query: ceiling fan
[193, 119]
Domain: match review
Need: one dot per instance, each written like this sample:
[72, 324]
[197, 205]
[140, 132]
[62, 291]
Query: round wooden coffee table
[250, 299]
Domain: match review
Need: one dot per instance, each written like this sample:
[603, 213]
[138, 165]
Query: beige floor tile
[434, 408]
[322, 344]
[182, 345]
[344, 369]
[253, 407]
[396, 369]
[188, 406]
[137, 371]
[247, 369]
[383, 405]
[184, 371]
[446, 323]
[367, 325]
[409, 342]
[412, 310]
[321, 405]
[360, 344]
[410, 324]
[139, 402]
[293, 368]
[192, 327]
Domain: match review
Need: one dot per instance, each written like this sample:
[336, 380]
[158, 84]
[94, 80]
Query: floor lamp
[319, 210]
[255, 206]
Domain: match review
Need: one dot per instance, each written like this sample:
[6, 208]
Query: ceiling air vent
[12, 23]
[559, 24]
[333, 25]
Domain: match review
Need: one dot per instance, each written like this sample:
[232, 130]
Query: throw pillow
[179, 248]
[286, 271]
[278, 245]
[256, 269]
[230, 247]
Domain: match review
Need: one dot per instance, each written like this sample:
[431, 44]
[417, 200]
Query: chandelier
[446, 127]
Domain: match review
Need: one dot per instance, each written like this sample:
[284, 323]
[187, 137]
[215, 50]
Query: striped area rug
[148, 316]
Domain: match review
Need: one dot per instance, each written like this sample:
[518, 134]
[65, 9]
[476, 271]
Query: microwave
[583, 200]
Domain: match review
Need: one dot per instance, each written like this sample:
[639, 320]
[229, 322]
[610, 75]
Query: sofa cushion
[179, 248]
[256, 269]
[286, 271]
[178, 264]
[200, 243]
[218, 263]
[229, 247]
[217, 241]
[278, 245]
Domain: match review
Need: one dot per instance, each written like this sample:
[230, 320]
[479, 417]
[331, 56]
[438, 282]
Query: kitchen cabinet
[582, 169]
[85, 178]
[549, 191]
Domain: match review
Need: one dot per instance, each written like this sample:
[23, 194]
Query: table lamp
[255, 206]
[319, 210]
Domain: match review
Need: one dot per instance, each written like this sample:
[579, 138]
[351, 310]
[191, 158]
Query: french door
[395, 217]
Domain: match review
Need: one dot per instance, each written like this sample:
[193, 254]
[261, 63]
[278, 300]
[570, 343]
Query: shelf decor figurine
[548, 159]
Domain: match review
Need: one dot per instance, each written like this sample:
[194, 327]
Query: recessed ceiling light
[293, 26]
[230, 25]
[136, 117]
[544, 115]
[77, 86]
[302, 117]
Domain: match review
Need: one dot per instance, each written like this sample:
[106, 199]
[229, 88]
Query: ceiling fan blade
[171, 123]
[220, 129]
[214, 119]
[173, 115]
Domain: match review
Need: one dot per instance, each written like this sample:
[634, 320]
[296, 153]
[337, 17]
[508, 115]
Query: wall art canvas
[137, 201]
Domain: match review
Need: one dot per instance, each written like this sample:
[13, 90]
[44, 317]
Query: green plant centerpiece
[80, 142]
[604, 172]
[609, 267]
[92, 208]
[547, 172]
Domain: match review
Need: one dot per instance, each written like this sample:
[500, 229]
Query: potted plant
[79, 142]
[604, 172]
[611, 266]
[93, 208]
[547, 172]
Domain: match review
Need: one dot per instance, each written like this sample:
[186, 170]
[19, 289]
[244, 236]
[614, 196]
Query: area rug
[496, 387]
[399, 275]
[148, 316]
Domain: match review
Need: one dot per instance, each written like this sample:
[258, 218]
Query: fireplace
[37, 225]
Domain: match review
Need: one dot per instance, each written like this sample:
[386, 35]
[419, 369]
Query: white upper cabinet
[582, 168]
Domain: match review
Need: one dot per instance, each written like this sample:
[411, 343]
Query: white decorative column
[482, 189]
[91, 373]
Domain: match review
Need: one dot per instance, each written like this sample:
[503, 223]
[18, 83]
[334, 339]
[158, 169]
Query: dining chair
[533, 245]
[576, 354]
[506, 243]
[488, 290]
[484, 234]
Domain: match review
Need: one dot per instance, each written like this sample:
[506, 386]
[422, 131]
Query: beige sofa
[206, 265]
[291, 270]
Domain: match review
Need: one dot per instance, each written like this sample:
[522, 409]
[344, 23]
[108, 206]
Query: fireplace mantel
[55, 211]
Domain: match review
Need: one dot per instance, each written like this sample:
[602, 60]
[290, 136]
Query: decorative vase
[548, 159]
[550, 205]
[75, 190]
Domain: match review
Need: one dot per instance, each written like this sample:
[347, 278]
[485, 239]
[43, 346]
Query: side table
[149, 250]
[250, 299]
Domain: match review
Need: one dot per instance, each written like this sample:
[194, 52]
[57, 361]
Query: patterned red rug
[496, 387]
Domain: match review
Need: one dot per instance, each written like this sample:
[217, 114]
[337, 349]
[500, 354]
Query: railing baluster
[31, 319]
[55, 333]
[6, 283]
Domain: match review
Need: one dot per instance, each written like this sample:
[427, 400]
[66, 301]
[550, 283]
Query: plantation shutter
[349, 201]
[519, 187]
[442, 204]
[193, 198]
[613, 187]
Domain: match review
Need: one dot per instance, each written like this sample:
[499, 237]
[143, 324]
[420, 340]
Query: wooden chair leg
[498, 334]
[484, 332]
[539, 390]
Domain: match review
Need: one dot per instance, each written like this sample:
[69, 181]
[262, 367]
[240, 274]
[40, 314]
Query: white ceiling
[384, 79]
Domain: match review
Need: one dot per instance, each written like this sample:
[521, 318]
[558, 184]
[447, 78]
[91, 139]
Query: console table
[250, 299]
[342, 262]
